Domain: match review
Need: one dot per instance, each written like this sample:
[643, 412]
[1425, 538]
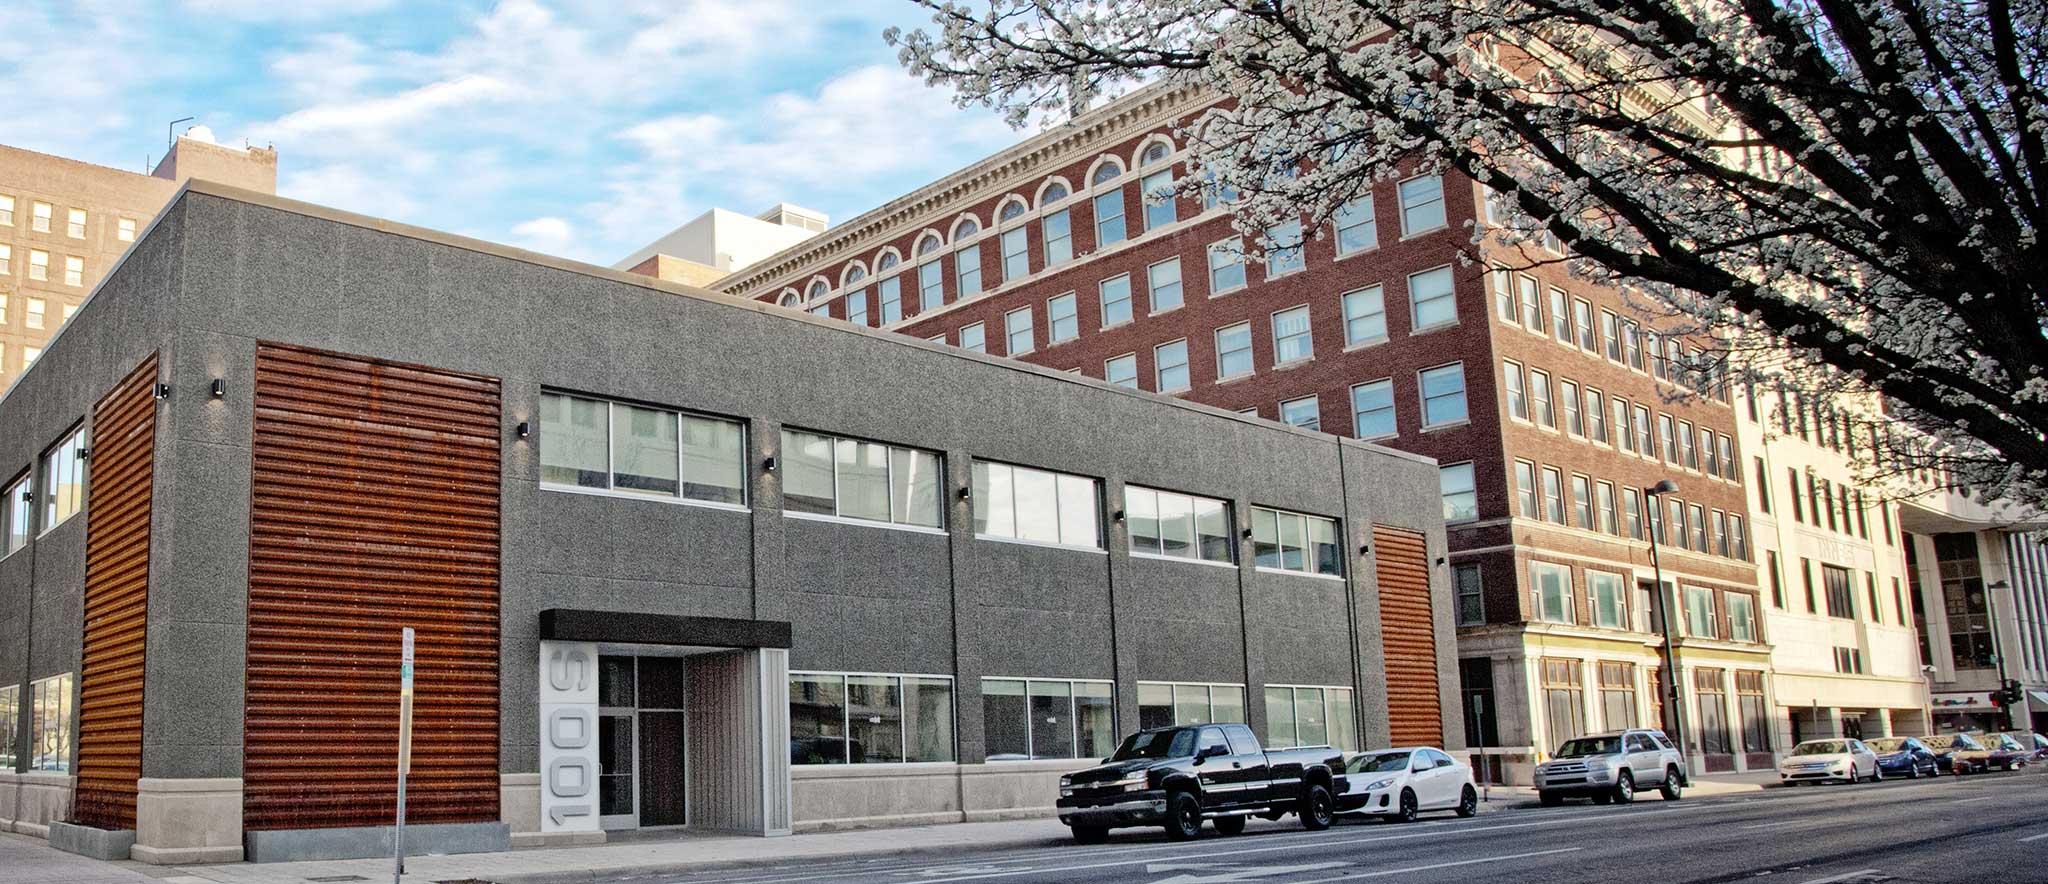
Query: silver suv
[1611, 767]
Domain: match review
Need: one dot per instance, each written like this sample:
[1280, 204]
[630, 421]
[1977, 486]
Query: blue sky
[580, 129]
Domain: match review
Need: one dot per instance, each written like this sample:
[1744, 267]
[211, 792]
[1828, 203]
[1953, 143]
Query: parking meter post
[1479, 730]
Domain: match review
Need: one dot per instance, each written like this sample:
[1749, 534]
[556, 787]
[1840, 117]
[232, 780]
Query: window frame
[1422, 394]
[1392, 409]
[889, 482]
[746, 490]
[1426, 204]
[1160, 366]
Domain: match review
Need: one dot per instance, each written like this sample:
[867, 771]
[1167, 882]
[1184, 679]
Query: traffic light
[2008, 694]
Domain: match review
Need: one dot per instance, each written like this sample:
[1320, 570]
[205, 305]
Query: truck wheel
[1229, 825]
[1468, 803]
[1315, 808]
[1625, 788]
[1183, 817]
[1550, 799]
[1090, 834]
[1674, 784]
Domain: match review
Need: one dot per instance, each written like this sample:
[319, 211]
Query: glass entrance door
[617, 806]
[617, 794]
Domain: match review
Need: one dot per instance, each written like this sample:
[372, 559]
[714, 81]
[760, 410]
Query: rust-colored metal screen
[373, 506]
[116, 601]
[1408, 631]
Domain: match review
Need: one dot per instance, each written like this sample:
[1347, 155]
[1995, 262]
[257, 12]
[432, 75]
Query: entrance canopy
[630, 628]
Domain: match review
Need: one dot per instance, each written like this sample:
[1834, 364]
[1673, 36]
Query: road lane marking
[1381, 873]
[2034, 837]
[1968, 800]
[1842, 877]
[1319, 844]
[1221, 873]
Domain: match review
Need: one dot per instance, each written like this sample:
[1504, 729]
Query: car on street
[2030, 739]
[1397, 784]
[1179, 776]
[1905, 757]
[1611, 767]
[2006, 753]
[1824, 761]
[1966, 755]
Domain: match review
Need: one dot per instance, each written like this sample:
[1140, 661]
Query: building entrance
[641, 744]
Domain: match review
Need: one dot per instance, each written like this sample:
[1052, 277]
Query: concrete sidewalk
[677, 853]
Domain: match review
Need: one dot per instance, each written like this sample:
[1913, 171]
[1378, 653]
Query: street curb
[619, 873]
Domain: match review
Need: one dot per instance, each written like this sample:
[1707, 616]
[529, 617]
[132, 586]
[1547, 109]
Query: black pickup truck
[1178, 776]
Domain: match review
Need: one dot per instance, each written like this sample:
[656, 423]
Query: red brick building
[1518, 383]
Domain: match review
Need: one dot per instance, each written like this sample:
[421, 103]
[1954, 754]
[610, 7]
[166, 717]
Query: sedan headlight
[1377, 785]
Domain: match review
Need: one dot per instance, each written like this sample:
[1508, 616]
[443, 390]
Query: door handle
[1237, 764]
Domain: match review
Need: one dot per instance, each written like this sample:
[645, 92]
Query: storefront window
[1163, 704]
[49, 728]
[1309, 716]
[862, 718]
[1025, 719]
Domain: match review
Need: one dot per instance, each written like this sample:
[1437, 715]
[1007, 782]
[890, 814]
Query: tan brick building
[1550, 404]
[63, 223]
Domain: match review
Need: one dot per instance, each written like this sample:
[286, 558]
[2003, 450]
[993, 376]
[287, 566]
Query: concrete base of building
[33, 800]
[557, 839]
[877, 796]
[180, 821]
[91, 843]
[363, 842]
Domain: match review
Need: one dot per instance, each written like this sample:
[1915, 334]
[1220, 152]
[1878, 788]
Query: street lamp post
[1654, 496]
[1997, 646]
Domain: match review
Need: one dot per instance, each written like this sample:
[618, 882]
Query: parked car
[1178, 776]
[2031, 740]
[1906, 757]
[1611, 767]
[1965, 754]
[2006, 753]
[1822, 761]
[1399, 783]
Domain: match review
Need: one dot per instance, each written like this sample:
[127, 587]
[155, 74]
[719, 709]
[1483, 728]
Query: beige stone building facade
[63, 224]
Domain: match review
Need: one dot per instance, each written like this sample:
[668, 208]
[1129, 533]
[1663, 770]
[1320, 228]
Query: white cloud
[549, 235]
[378, 117]
[871, 123]
[283, 10]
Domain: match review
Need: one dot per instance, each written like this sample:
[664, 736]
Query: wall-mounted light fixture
[1118, 515]
[524, 429]
[1247, 533]
[1365, 549]
[768, 464]
[966, 492]
[163, 391]
[84, 454]
[1439, 561]
[220, 387]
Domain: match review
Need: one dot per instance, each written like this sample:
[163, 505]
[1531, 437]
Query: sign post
[1485, 766]
[404, 754]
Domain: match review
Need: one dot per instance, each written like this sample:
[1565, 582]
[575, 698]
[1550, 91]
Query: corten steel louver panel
[116, 601]
[1407, 625]
[373, 506]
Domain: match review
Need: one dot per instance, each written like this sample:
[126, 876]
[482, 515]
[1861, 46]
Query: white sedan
[1399, 783]
[1820, 761]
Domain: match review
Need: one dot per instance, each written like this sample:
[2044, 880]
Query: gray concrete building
[672, 558]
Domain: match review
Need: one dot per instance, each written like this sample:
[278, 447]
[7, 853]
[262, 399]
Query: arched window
[1011, 210]
[967, 228]
[854, 274]
[1105, 172]
[887, 261]
[789, 298]
[928, 245]
[1054, 192]
[1155, 152]
[818, 289]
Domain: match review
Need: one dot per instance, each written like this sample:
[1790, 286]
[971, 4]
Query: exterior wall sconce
[1439, 561]
[525, 429]
[966, 492]
[1365, 549]
[1118, 515]
[163, 391]
[1247, 533]
[768, 465]
[220, 388]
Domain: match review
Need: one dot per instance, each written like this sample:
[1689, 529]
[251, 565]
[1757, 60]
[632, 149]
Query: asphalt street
[1987, 828]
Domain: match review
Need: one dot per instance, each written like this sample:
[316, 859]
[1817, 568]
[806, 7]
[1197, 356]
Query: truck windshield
[1178, 743]
[1584, 746]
